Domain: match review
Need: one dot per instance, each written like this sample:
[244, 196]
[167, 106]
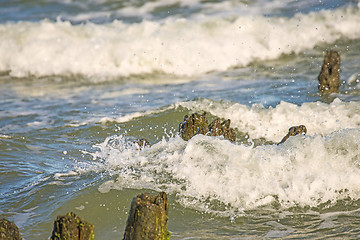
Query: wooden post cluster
[148, 216]
[147, 220]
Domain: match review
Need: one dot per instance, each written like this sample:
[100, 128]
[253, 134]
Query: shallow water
[81, 81]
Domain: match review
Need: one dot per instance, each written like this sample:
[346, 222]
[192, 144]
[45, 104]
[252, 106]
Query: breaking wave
[175, 46]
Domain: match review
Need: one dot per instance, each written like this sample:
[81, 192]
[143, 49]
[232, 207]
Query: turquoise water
[80, 82]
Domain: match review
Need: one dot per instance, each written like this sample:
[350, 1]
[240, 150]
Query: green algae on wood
[218, 128]
[9, 230]
[195, 124]
[148, 218]
[198, 124]
[71, 227]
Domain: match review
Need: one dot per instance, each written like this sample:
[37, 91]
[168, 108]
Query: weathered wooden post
[195, 124]
[198, 124]
[329, 77]
[148, 218]
[9, 230]
[72, 227]
[218, 128]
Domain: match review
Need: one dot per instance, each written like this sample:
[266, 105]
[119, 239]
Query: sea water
[80, 81]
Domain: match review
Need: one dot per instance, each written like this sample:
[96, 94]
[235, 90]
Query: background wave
[176, 46]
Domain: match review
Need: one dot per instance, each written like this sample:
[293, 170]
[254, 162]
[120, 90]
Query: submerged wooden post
[195, 124]
[293, 131]
[218, 128]
[9, 230]
[72, 227]
[148, 218]
[329, 77]
[198, 124]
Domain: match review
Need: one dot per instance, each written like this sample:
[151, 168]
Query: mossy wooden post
[218, 128]
[71, 227]
[329, 77]
[198, 124]
[195, 124]
[9, 230]
[148, 218]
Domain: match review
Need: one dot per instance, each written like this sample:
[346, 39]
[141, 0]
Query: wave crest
[187, 47]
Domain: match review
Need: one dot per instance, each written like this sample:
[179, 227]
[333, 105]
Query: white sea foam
[322, 166]
[4, 136]
[354, 79]
[304, 171]
[59, 176]
[273, 123]
[175, 46]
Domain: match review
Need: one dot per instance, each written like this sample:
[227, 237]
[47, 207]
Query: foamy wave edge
[205, 171]
[272, 123]
[184, 47]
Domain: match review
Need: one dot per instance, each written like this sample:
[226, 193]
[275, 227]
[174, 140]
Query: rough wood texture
[195, 124]
[198, 124]
[9, 230]
[329, 77]
[148, 218]
[71, 227]
[218, 128]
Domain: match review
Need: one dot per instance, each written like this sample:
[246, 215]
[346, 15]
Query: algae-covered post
[218, 128]
[9, 230]
[148, 218]
[198, 124]
[293, 131]
[195, 124]
[329, 77]
[72, 227]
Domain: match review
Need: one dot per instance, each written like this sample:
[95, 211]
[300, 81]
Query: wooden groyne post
[329, 76]
[148, 218]
[71, 227]
[9, 230]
